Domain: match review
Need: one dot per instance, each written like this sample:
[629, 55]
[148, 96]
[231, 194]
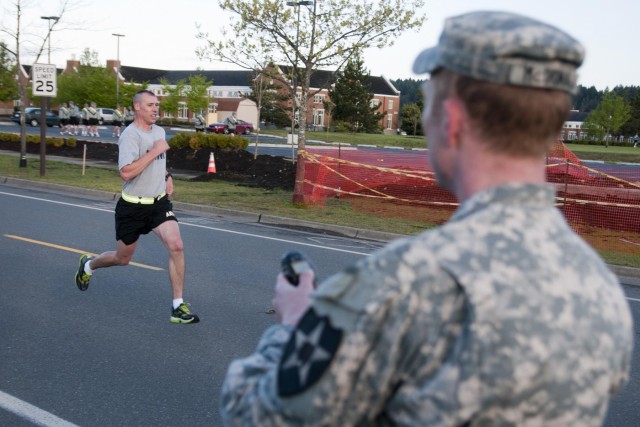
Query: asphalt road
[109, 356]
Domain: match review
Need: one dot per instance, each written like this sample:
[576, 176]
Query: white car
[106, 116]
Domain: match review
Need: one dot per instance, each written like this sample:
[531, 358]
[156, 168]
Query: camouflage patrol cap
[505, 48]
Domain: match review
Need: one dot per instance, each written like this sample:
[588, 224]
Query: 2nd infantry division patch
[307, 354]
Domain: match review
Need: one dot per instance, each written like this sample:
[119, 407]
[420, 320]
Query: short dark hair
[138, 95]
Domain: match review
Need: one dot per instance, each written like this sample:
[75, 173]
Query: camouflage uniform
[501, 317]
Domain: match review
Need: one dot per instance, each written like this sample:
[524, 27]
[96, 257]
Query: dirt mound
[237, 166]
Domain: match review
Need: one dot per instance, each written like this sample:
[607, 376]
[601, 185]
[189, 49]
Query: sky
[163, 35]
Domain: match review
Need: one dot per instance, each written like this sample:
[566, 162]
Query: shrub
[207, 140]
[10, 137]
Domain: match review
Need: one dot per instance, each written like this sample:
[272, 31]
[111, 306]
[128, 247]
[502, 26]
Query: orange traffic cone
[212, 164]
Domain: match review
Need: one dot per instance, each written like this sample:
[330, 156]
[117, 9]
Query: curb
[629, 275]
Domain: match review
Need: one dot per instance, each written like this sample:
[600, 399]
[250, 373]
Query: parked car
[106, 116]
[241, 127]
[32, 117]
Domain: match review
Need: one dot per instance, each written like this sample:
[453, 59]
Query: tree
[196, 94]
[608, 118]
[351, 96]
[91, 83]
[410, 90]
[8, 85]
[22, 39]
[411, 119]
[632, 126]
[170, 104]
[269, 101]
[328, 34]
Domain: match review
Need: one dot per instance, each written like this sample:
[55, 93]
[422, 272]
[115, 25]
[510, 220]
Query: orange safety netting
[599, 195]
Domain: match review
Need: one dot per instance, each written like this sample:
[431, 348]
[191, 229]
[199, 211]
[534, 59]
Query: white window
[213, 107]
[375, 103]
[318, 117]
[318, 99]
[167, 115]
[389, 120]
[390, 105]
[182, 110]
[572, 135]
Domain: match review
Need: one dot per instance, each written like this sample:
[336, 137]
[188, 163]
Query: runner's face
[147, 109]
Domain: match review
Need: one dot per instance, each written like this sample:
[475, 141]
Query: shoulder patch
[309, 352]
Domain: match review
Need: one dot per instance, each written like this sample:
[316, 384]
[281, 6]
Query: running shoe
[82, 278]
[183, 315]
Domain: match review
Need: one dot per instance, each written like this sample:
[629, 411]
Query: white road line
[31, 413]
[217, 229]
[197, 225]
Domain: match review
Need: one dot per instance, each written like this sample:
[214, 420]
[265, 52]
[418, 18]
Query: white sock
[177, 302]
[87, 268]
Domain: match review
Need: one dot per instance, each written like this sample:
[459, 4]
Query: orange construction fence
[588, 193]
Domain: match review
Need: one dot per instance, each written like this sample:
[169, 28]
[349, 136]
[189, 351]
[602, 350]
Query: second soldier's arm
[370, 332]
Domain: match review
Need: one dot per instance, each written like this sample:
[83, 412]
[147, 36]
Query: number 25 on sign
[44, 80]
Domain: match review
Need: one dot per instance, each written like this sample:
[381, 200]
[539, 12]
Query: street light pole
[118, 70]
[43, 102]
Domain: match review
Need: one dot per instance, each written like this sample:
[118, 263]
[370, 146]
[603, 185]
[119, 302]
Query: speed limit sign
[44, 80]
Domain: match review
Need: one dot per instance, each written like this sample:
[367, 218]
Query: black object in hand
[292, 264]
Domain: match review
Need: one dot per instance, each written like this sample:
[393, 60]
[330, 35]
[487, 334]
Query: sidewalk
[628, 275]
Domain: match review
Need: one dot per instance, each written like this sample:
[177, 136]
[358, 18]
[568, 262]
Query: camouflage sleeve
[378, 326]
[248, 396]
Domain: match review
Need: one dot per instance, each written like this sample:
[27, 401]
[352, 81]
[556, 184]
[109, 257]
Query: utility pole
[118, 70]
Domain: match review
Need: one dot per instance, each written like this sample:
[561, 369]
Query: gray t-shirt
[133, 144]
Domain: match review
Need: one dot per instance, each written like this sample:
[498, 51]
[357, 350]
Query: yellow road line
[64, 248]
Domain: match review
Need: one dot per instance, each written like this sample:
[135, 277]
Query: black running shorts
[133, 219]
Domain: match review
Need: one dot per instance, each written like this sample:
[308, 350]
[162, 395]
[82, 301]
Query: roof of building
[577, 116]
[218, 77]
[324, 79]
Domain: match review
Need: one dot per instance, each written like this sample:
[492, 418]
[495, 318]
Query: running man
[144, 205]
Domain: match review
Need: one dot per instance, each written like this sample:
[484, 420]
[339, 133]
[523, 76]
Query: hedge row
[207, 140]
[180, 140]
[35, 139]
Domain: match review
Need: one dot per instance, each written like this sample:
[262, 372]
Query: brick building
[231, 86]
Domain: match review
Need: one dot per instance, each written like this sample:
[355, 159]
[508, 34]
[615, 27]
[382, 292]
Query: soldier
[144, 205]
[64, 119]
[118, 119]
[231, 123]
[503, 315]
[74, 117]
[199, 122]
[84, 121]
[128, 116]
[94, 119]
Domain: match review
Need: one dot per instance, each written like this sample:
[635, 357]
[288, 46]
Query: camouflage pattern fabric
[501, 317]
[505, 48]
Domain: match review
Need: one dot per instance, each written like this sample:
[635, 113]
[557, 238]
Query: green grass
[613, 153]
[378, 140]
[216, 193]
[278, 202]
